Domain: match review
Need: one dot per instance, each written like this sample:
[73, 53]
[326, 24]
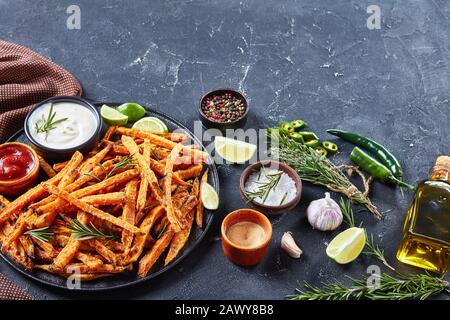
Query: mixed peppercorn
[223, 108]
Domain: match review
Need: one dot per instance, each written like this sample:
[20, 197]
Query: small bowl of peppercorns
[223, 109]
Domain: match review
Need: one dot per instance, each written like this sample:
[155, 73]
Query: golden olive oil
[426, 232]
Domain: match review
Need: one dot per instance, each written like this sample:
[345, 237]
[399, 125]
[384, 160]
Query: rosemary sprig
[161, 232]
[124, 163]
[347, 212]
[49, 123]
[41, 234]
[265, 187]
[314, 168]
[83, 232]
[374, 250]
[414, 286]
[284, 198]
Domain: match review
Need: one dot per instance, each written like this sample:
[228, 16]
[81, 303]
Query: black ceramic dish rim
[134, 281]
[236, 93]
[74, 99]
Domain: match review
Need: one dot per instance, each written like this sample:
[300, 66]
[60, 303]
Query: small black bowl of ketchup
[19, 168]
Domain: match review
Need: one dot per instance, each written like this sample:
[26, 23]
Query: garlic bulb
[324, 214]
[288, 244]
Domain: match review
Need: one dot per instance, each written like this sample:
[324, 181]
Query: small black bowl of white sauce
[59, 126]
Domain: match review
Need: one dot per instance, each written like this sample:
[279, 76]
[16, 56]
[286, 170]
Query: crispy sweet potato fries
[134, 197]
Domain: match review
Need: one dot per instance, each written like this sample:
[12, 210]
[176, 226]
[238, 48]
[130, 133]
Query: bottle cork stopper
[441, 169]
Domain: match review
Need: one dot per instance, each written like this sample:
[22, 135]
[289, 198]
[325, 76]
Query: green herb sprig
[124, 163]
[314, 168]
[41, 234]
[265, 187]
[49, 123]
[415, 286]
[82, 232]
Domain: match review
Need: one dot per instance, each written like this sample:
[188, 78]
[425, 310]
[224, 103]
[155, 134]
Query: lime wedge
[347, 245]
[234, 151]
[132, 110]
[112, 116]
[151, 124]
[209, 197]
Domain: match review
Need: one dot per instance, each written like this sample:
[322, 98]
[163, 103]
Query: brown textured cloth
[9, 291]
[27, 78]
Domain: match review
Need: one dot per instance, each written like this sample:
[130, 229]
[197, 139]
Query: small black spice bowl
[234, 124]
[64, 154]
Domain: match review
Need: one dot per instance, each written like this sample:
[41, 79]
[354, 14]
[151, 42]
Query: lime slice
[112, 116]
[234, 151]
[133, 110]
[151, 124]
[209, 197]
[347, 245]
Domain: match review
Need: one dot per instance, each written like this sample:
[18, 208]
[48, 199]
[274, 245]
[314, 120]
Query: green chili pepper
[375, 168]
[298, 124]
[296, 136]
[287, 126]
[330, 147]
[312, 143]
[321, 151]
[379, 151]
[309, 135]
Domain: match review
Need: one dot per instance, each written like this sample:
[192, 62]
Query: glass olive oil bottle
[426, 232]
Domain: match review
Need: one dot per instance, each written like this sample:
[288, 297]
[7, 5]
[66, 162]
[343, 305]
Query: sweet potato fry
[143, 187]
[139, 240]
[159, 141]
[87, 191]
[149, 259]
[129, 210]
[103, 251]
[90, 209]
[46, 167]
[59, 166]
[107, 199]
[171, 211]
[95, 160]
[97, 173]
[159, 168]
[179, 239]
[199, 211]
[70, 250]
[71, 172]
[192, 172]
[175, 136]
[148, 173]
[108, 135]
[27, 244]
[22, 224]
[88, 259]
[102, 268]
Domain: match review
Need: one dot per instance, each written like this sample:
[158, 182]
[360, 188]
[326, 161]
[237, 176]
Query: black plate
[129, 278]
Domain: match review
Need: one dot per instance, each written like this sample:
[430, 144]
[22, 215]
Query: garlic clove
[289, 246]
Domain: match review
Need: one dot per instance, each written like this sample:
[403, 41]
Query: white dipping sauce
[282, 193]
[79, 127]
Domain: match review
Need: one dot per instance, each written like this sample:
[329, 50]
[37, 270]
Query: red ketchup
[15, 162]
